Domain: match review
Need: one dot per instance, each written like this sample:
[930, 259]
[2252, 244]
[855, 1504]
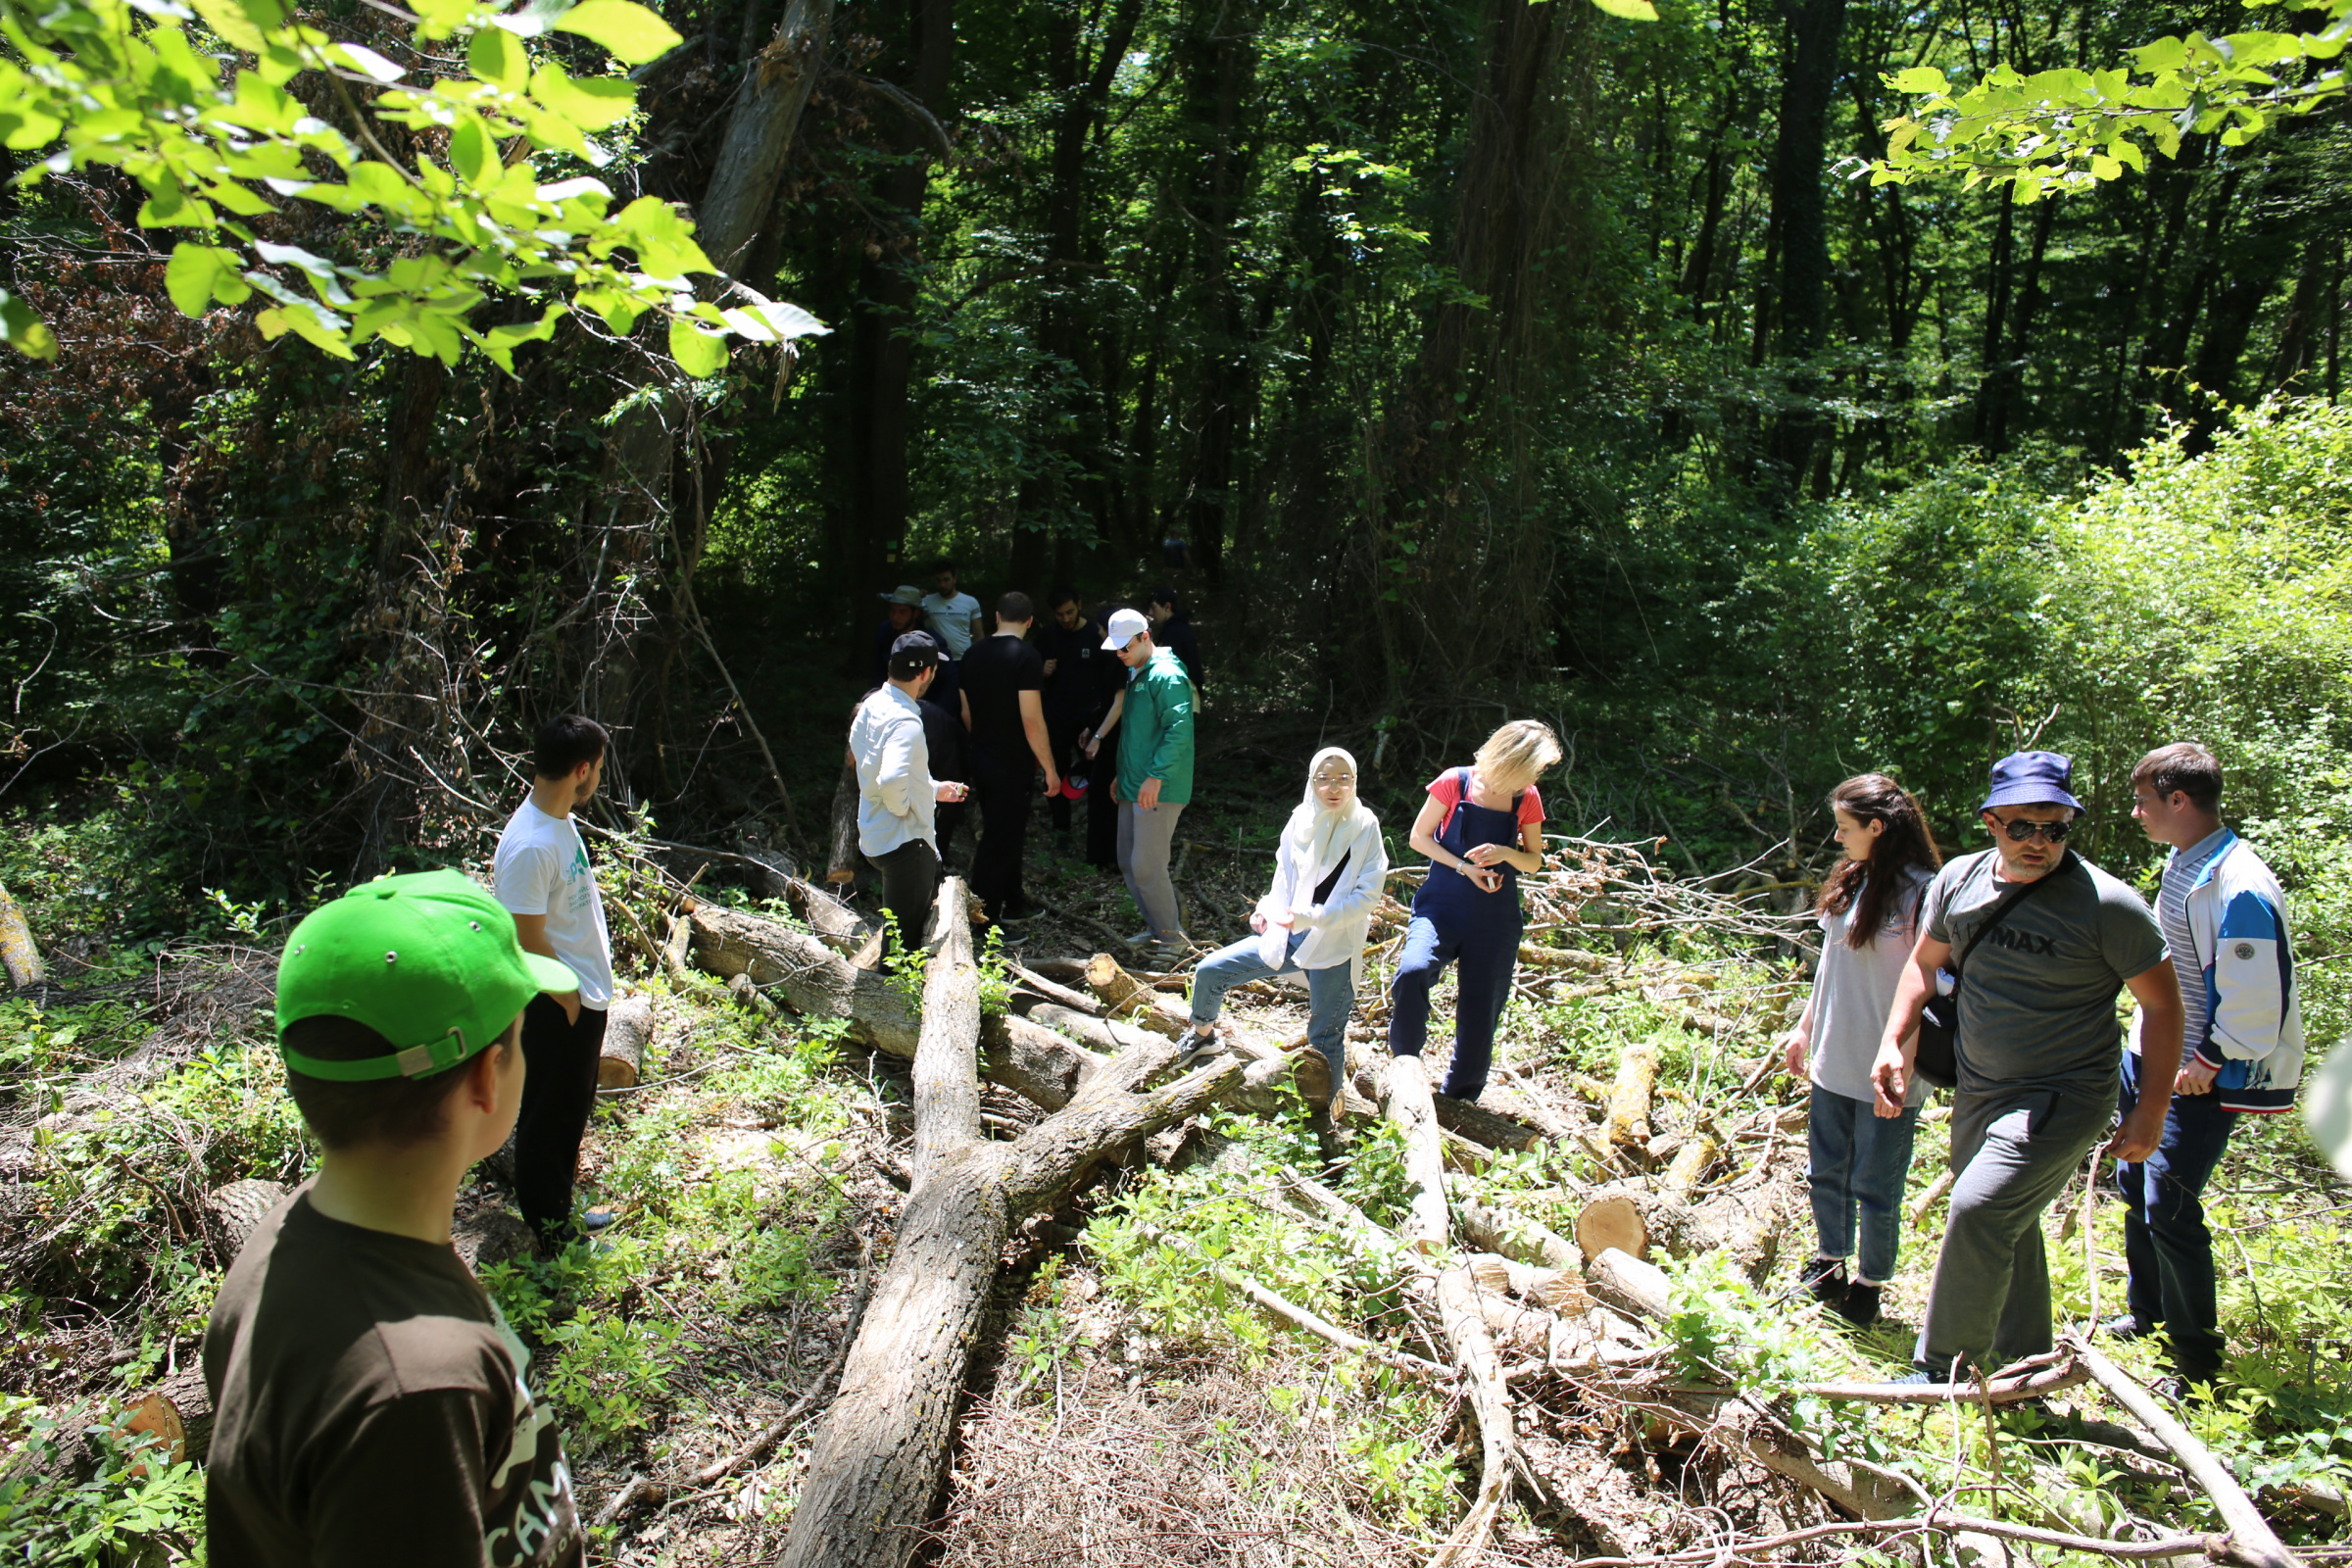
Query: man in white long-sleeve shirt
[896, 793]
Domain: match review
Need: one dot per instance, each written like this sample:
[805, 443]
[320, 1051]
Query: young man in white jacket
[896, 793]
[2225, 923]
[1328, 873]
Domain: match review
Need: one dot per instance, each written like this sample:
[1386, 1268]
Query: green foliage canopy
[130, 84]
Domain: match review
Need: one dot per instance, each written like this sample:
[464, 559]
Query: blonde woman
[1481, 827]
[1328, 874]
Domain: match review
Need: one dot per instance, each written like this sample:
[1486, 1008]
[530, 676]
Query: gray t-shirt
[1855, 990]
[2038, 996]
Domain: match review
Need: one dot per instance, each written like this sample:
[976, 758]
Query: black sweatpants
[1005, 789]
[559, 1090]
[1062, 741]
[1102, 811]
[910, 888]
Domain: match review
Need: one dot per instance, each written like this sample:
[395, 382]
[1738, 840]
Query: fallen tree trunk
[1690, 1164]
[628, 1030]
[1494, 1231]
[875, 1466]
[1031, 1060]
[1125, 997]
[1630, 1283]
[1490, 1400]
[19, 953]
[1408, 1106]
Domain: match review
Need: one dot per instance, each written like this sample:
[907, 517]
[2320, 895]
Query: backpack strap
[2010, 901]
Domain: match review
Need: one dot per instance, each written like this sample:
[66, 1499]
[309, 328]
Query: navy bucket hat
[2033, 778]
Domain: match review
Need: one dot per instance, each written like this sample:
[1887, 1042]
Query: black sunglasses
[2021, 831]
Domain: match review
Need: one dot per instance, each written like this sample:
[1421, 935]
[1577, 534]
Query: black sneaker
[2124, 1328]
[1824, 1279]
[1860, 1306]
[1923, 1375]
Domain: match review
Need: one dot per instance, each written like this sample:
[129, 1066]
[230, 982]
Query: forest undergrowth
[1132, 1406]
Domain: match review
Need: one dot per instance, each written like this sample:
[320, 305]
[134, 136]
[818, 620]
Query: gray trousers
[2015, 1153]
[1144, 840]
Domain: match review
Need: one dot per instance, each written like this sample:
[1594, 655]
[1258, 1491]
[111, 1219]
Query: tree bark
[1416, 1118]
[19, 953]
[946, 1084]
[876, 1465]
[841, 864]
[777, 81]
[1628, 1096]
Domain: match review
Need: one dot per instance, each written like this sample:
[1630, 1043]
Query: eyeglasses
[2021, 831]
[1324, 781]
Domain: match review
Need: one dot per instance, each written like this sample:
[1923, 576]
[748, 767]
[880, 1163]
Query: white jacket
[1335, 928]
[895, 790]
[2237, 915]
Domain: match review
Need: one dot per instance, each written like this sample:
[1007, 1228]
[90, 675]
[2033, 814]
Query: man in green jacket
[1154, 783]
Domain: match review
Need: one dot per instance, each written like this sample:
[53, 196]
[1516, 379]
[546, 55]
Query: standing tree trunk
[1816, 29]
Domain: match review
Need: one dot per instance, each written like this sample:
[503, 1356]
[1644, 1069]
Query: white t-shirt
[951, 620]
[542, 869]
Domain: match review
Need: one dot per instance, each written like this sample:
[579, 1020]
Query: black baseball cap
[912, 654]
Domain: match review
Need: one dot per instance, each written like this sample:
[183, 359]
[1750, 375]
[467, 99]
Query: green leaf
[2165, 54]
[229, 21]
[472, 152]
[632, 33]
[495, 55]
[1630, 9]
[699, 352]
[591, 103]
[25, 332]
[188, 280]
[1920, 79]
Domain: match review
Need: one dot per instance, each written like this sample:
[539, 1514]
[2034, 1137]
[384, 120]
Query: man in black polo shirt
[1003, 706]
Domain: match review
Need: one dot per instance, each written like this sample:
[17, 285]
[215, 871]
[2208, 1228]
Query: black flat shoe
[1860, 1305]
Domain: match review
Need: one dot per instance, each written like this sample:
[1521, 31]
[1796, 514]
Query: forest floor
[1128, 1406]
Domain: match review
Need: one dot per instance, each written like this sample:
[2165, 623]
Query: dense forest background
[1488, 355]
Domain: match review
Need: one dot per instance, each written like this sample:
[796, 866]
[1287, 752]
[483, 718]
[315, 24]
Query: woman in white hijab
[1327, 881]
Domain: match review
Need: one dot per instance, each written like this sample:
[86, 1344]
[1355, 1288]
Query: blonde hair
[1521, 748]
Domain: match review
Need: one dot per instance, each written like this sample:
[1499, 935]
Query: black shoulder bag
[1936, 1058]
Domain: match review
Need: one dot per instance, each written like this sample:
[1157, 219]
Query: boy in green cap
[370, 1399]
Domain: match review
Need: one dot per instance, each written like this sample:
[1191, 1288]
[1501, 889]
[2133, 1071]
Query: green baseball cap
[429, 961]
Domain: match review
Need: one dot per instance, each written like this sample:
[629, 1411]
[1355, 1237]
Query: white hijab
[1314, 834]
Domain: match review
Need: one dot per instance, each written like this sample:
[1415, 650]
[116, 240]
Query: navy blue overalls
[1455, 923]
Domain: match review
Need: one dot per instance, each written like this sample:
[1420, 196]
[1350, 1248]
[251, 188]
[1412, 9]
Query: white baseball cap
[1125, 626]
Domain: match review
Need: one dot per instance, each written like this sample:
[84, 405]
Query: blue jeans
[1858, 1161]
[1487, 959]
[2166, 1243]
[1330, 994]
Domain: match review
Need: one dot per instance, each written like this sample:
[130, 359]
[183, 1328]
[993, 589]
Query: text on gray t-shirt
[2038, 996]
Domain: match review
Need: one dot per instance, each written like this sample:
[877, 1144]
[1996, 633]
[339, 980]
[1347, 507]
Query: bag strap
[1464, 796]
[2009, 904]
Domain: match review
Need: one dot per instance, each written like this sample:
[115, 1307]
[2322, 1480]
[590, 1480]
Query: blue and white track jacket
[2246, 953]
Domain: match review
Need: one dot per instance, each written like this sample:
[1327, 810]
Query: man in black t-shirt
[1003, 682]
[1074, 690]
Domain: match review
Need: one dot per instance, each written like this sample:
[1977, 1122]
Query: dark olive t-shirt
[2037, 994]
[371, 1410]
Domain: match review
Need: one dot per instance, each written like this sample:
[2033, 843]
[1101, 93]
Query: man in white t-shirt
[541, 877]
[954, 618]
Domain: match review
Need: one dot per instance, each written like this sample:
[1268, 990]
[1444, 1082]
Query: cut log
[812, 979]
[233, 1212]
[1628, 1096]
[1690, 1164]
[674, 948]
[1614, 1219]
[844, 863]
[874, 1469]
[179, 1413]
[628, 1030]
[1125, 997]
[19, 954]
[1054, 991]
[1100, 1034]
[825, 915]
[1487, 1128]
[1416, 1118]
[1514, 1237]
[1555, 1289]
[1626, 1282]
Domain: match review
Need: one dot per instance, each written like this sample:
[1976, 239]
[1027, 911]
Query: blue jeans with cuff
[1857, 1162]
[1330, 994]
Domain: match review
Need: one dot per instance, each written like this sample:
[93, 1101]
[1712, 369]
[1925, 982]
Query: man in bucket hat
[2038, 1054]
[370, 1399]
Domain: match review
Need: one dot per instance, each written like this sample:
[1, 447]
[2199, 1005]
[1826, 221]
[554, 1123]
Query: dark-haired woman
[1869, 913]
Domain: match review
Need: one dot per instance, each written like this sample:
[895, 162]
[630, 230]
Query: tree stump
[628, 1030]
[178, 1412]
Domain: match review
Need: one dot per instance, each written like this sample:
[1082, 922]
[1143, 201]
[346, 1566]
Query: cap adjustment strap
[415, 1061]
